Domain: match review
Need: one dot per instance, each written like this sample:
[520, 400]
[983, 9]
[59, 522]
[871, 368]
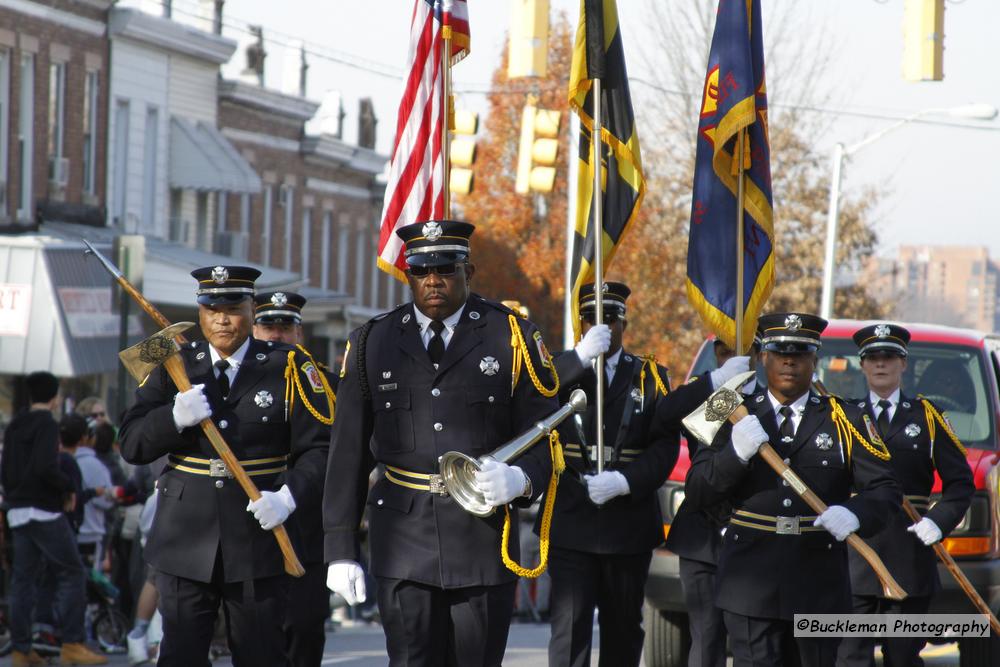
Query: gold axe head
[143, 357]
[709, 417]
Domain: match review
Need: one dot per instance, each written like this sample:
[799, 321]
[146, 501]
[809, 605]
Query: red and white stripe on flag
[415, 188]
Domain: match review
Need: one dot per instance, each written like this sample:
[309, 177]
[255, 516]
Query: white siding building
[167, 160]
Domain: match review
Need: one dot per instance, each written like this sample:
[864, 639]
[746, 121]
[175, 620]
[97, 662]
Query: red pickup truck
[959, 369]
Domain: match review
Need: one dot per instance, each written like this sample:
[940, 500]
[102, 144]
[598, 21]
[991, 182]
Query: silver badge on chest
[824, 441]
[912, 430]
[263, 399]
[636, 394]
[489, 366]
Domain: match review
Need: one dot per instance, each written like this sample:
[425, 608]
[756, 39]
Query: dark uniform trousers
[444, 595]
[696, 537]
[915, 458]
[766, 575]
[600, 555]
[308, 607]
[207, 550]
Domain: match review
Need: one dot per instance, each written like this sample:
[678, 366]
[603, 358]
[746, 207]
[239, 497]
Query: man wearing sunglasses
[448, 371]
[606, 524]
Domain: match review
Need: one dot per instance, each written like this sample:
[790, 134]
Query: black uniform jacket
[696, 533]
[644, 446]
[198, 515]
[769, 575]
[914, 460]
[413, 415]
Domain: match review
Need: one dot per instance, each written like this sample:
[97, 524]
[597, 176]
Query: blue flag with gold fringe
[734, 100]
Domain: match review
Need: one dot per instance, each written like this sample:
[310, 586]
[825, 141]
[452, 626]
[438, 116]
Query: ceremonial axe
[727, 404]
[161, 349]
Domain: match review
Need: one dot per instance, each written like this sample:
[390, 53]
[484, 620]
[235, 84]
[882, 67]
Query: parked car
[959, 369]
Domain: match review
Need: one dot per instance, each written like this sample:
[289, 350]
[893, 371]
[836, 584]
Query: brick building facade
[53, 109]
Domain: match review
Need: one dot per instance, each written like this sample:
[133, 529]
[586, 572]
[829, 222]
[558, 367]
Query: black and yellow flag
[598, 54]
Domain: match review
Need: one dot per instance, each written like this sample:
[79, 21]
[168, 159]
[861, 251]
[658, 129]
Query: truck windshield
[952, 376]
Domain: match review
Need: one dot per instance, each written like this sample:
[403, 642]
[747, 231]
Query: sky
[940, 182]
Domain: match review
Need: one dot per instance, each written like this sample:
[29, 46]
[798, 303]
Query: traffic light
[528, 46]
[538, 150]
[462, 152]
[923, 40]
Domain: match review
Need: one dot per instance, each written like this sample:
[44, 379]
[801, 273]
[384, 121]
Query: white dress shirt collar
[798, 407]
[893, 402]
[450, 322]
[235, 359]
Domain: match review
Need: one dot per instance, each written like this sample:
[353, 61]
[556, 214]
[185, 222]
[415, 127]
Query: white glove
[604, 486]
[347, 579]
[596, 341]
[500, 483]
[838, 521]
[273, 507]
[748, 436]
[190, 407]
[926, 531]
[730, 369]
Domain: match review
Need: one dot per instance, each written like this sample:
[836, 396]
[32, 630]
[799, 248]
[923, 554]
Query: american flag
[415, 189]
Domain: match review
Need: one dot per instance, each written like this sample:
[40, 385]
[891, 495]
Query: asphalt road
[364, 646]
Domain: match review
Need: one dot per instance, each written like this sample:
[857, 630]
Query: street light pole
[973, 111]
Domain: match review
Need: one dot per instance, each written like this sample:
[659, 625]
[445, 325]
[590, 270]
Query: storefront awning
[202, 159]
[55, 310]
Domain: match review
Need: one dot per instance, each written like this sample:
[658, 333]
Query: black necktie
[435, 348]
[222, 365]
[787, 429]
[883, 417]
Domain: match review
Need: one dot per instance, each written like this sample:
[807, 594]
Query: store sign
[88, 313]
[15, 308]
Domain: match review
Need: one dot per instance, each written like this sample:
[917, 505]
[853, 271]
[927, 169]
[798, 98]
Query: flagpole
[739, 243]
[598, 236]
[446, 117]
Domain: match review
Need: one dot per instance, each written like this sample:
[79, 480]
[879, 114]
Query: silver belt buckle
[436, 485]
[787, 525]
[608, 452]
[217, 468]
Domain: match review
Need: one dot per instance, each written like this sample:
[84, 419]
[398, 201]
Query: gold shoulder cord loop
[845, 426]
[290, 370]
[651, 362]
[521, 354]
[558, 465]
[932, 416]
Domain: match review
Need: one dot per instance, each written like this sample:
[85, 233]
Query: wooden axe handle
[956, 572]
[175, 367]
[890, 588]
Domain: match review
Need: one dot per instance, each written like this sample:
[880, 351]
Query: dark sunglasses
[441, 270]
[97, 415]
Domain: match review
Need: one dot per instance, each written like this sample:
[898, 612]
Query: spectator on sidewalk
[41, 534]
[90, 537]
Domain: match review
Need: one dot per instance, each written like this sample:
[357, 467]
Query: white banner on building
[15, 309]
[88, 313]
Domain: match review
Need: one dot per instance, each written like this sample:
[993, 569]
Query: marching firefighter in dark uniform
[696, 537]
[449, 371]
[921, 442]
[606, 525]
[278, 318]
[777, 558]
[207, 545]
